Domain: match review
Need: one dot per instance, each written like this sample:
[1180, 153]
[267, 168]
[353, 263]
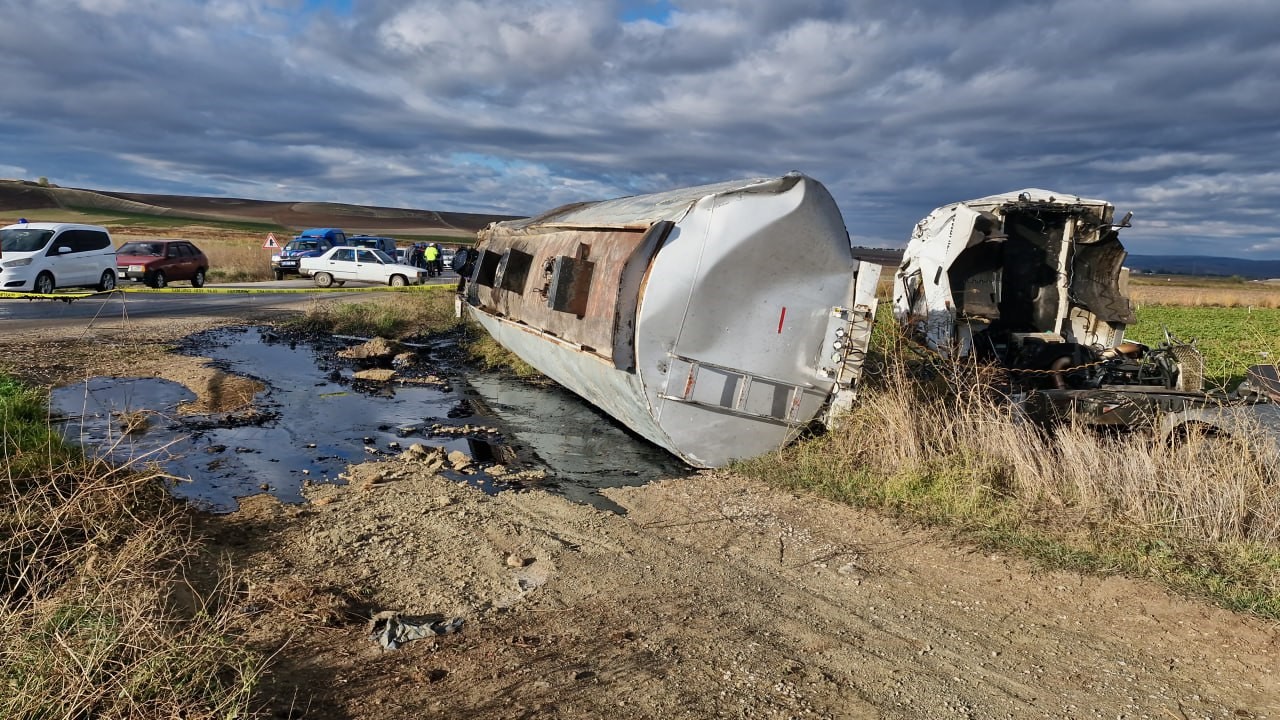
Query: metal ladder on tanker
[735, 392]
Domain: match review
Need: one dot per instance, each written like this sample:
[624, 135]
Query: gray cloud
[1166, 109]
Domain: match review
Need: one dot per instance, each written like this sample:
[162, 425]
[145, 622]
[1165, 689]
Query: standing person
[432, 255]
[415, 255]
[439, 261]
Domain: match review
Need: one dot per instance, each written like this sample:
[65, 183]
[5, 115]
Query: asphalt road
[20, 313]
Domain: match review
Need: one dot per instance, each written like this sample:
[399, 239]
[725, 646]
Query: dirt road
[713, 596]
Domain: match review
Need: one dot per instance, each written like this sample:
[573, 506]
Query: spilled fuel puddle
[316, 417]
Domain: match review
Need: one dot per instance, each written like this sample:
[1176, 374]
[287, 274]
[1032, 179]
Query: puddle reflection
[319, 421]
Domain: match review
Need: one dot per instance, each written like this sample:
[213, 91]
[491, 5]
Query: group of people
[429, 257]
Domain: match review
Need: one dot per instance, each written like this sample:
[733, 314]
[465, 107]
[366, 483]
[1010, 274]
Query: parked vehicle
[40, 257]
[344, 264]
[160, 262]
[308, 243]
[377, 242]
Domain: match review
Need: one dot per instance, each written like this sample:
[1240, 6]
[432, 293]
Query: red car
[160, 262]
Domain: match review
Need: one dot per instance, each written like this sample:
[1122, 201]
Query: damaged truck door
[714, 321]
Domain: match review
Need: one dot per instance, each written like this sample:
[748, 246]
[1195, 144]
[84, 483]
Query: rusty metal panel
[592, 319]
[570, 285]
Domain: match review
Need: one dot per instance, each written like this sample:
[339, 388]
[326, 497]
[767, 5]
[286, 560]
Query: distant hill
[887, 257]
[25, 196]
[1203, 265]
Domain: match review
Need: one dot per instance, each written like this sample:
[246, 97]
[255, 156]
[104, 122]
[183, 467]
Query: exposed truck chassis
[1143, 393]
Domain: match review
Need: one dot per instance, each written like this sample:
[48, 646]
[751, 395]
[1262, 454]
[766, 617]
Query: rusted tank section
[714, 321]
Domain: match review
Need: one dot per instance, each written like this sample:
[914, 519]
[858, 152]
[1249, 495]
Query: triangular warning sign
[271, 241]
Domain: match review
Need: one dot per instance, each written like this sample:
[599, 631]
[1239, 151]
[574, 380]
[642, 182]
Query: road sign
[271, 241]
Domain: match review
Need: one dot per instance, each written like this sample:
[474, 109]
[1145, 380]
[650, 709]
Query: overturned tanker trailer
[715, 321]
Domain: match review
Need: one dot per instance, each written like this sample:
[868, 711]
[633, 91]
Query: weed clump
[940, 445]
[96, 618]
[425, 311]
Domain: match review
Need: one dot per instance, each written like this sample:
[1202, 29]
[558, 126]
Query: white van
[42, 256]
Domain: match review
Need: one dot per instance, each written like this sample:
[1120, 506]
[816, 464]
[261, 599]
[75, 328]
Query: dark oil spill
[314, 419]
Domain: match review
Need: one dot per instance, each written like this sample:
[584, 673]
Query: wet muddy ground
[316, 416]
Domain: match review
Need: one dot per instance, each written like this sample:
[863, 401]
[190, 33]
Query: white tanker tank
[715, 321]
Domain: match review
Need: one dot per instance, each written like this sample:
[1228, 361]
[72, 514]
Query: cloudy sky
[1167, 108]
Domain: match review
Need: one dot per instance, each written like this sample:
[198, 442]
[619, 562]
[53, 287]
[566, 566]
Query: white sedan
[341, 264]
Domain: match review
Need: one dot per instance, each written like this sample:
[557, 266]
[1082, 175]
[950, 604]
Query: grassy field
[1203, 292]
[1230, 338]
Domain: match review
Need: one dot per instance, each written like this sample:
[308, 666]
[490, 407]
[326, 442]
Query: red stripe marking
[781, 318]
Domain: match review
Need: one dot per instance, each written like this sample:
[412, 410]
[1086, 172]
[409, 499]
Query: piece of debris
[374, 374]
[430, 380]
[459, 460]
[135, 422]
[376, 349]
[374, 479]
[433, 458]
[390, 629]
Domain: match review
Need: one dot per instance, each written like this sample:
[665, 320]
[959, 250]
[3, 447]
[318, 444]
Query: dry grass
[399, 315]
[1203, 516]
[1219, 294]
[487, 354]
[238, 260]
[96, 618]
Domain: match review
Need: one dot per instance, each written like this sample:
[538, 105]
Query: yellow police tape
[68, 297]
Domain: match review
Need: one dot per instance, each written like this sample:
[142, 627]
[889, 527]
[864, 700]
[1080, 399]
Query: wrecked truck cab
[683, 314]
[1033, 283]
[986, 276]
